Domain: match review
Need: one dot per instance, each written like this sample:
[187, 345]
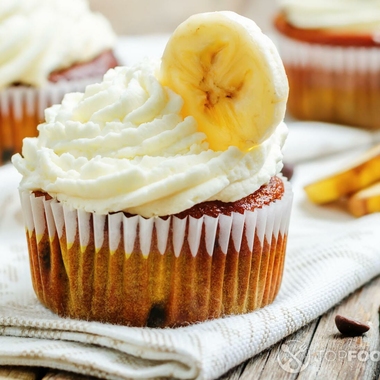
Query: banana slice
[357, 175]
[230, 77]
[365, 201]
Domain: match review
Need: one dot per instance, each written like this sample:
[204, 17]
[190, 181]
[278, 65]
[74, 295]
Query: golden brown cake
[333, 70]
[143, 212]
[42, 59]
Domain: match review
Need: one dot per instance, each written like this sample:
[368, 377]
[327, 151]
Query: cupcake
[331, 53]
[148, 206]
[49, 48]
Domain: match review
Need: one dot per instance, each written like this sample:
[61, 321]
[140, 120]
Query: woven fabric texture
[330, 254]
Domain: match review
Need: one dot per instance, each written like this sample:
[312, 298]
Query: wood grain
[62, 375]
[327, 354]
[20, 373]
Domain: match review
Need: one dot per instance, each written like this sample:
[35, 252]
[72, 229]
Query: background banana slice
[230, 77]
[365, 201]
[360, 173]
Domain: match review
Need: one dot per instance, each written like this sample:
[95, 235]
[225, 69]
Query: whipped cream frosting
[333, 14]
[123, 145]
[41, 36]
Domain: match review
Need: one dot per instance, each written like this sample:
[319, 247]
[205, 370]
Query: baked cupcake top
[125, 144]
[348, 15]
[38, 37]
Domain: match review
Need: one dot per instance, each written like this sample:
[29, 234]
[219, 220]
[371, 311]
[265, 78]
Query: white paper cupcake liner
[22, 109]
[335, 58]
[336, 84]
[17, 100]
[211, 252]
[59, 218]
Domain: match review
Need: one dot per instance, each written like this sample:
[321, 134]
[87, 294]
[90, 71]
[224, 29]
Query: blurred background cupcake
[331, 51]
[48, 48]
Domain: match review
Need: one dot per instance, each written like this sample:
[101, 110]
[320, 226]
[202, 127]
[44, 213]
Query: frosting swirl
[360, 15]
[38, 37]
[123, 145]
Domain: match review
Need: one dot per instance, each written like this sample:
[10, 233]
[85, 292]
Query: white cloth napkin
[330, 254]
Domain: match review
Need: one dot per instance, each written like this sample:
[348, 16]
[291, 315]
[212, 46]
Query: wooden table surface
[317, 351]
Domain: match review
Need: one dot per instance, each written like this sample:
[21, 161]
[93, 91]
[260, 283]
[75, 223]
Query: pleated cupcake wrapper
[335, 84]
[13, 99]
[58, 218]
[22, 109]
[335, 58]
[156, 272]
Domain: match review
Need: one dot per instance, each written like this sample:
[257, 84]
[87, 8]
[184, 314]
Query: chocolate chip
[287, 171]
[6, 155]
[350, 327]
[44, 255]
[156, 316]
